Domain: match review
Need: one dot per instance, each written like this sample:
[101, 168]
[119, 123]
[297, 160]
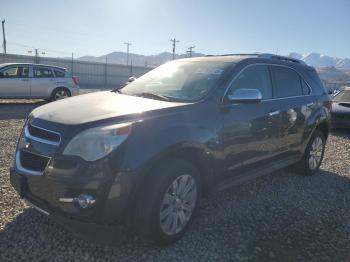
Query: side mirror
[245, 96]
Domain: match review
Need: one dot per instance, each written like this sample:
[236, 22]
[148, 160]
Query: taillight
[75, 79]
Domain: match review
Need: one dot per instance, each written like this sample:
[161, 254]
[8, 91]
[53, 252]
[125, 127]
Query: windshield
[342, 97]
[186, 81]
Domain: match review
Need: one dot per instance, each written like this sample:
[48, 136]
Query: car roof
[258, 57]
[9, 64]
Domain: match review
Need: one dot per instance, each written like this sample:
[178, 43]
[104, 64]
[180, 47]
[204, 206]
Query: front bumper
[49, 191]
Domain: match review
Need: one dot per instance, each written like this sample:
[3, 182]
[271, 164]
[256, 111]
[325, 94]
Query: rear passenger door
[250, 132]
[43, 82]
[297, 105]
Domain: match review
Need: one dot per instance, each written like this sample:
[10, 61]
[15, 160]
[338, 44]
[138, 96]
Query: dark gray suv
[145, 154]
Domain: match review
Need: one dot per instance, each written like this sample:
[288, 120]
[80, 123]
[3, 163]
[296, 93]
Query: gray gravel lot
[282, 217]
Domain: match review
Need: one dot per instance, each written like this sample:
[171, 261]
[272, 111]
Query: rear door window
[287, 82]
[254, 77]
[59, 73]
[42, 72]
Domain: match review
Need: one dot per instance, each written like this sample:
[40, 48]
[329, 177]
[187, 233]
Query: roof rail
[282, 58]
[236, 55]
[268, 56]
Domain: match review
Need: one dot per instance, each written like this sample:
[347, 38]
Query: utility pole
[127, 51]
[3, 35]
[174, 41]
[190, 51]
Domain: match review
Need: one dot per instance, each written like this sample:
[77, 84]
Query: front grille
[33, 162]
[43, 134]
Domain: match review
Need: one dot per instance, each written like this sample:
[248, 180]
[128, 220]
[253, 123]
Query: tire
[313, 155]
[158, 207]
[60, 93]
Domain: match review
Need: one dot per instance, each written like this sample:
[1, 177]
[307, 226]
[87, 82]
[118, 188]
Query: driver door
[14, 82]
[251, 130]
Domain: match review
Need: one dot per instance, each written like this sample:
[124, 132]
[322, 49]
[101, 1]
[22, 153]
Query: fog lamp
[85, 200]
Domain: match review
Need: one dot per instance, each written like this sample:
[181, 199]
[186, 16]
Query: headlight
[95, 143]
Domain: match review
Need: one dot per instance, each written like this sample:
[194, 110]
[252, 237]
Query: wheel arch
[198, 157]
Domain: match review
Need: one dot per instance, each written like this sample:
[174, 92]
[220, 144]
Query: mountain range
[320, 60]
[135, 59]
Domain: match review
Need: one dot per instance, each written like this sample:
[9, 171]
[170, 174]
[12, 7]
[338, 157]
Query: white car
[35, 81]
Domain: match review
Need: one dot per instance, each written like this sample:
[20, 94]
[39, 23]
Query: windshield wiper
[153, 95]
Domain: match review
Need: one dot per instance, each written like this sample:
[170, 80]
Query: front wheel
[313, 155]
[169, 202]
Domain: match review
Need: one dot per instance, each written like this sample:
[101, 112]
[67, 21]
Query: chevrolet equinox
[145, 154]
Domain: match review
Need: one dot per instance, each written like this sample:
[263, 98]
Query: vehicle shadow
[341, 132]
[18, 110]
[282, 217]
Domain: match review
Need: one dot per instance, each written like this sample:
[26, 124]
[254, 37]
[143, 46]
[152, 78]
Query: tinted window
[305, 87]
[15, 71]
[254, 77]
[42, 72]
[318, 87]
[59, 73]
[287, 82]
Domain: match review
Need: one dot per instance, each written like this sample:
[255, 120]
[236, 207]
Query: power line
[3, 35]
[174, 41]
[190, 50]
[127, 51]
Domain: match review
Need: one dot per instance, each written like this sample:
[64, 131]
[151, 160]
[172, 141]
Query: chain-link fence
[89, 73]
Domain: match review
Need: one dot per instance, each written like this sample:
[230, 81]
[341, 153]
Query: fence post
[130, 68]
[72, 64]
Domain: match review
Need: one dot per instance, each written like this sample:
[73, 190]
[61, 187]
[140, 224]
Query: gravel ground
[281, 217]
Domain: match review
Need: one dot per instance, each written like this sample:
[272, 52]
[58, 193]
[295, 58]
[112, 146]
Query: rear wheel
[313, 155]
[169, 202]
[60, 93]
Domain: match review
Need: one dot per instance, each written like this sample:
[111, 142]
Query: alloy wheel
[316, 152]
[61, 94]
[178, 204]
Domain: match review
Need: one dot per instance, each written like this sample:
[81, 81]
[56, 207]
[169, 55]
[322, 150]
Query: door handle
[274, 113]
[310, 104]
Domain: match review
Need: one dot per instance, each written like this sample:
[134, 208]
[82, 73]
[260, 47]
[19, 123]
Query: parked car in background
[146, 153]
[341, 109]
[35, 81]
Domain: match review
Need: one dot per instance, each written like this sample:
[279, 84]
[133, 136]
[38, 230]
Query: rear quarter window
[316, 84]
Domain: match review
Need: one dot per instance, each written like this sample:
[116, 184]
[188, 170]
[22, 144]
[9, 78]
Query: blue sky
[101, 26]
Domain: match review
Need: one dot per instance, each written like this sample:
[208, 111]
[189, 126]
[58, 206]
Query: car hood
[97, 106]
[341, 108]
